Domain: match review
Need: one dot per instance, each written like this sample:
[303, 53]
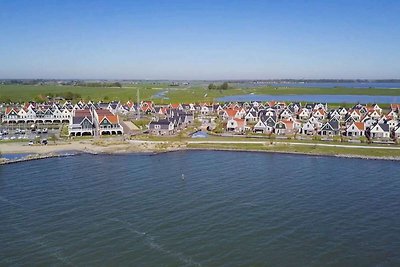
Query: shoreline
[148, 147]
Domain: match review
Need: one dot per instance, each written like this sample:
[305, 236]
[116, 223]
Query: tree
[224, 86]
[68, 95]
[212, 86]
[53, 138]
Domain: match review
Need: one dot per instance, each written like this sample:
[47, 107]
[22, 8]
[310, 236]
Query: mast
[138, 105]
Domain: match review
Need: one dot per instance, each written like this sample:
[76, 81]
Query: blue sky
[199, 39]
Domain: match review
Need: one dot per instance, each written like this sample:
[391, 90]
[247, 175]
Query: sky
[216, 39]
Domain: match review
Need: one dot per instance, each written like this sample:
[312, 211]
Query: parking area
[28, 132]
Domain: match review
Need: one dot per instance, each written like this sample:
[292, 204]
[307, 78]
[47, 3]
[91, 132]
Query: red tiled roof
[9, 109]
[359, 125]
[289, 124]
[240, 122]
[113, 119]
[175, 105]
[82, 113]
[231, 112]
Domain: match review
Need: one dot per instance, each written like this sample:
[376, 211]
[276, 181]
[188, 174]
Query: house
[319, 114]
[236, 125]
[206, 109]
[316, 122]
[175, 106]
[374, 114]
[377, 108]
[294, 107]
[392, 124]
[251, 116]
[285, 114]
[342, 112]
[284, 127]
[397, 131]
[395, 107]
[393, 114]
[260, 127]
[230, 114]
[161, 127]
[146, 107]
[334, 114]
[330, 128]
[307, 128]
[368, 121]
[81, 123]
[380, 130]
[107, 123]
[355, 114]
[356, 129]
[304, 114]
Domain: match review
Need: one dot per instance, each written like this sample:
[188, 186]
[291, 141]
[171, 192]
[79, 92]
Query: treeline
[213, 86]
[101, 84]
[64, 95]
[46, 97]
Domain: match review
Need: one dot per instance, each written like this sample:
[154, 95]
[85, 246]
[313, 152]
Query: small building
[161, 127]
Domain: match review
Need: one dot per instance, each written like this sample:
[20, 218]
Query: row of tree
[213, 86]
[101, 84]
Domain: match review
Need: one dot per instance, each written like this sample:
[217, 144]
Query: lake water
[324, 85]
[231, 209]
[313, 98]
[14, 156]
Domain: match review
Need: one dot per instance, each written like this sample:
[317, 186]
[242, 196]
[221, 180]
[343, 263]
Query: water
[200, 134]
[161, 94]
[378, 85]
[232, 209]
[313, 98]
[14, 156]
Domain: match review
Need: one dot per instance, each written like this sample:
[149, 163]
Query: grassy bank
[311, 150]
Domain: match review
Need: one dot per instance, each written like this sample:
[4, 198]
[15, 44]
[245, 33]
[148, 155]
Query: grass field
[21, 93]
[205, 95]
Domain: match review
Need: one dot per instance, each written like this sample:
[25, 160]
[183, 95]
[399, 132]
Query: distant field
[21, 93]
[205, 95]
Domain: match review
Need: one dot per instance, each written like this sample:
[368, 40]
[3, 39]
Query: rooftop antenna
[138, 105]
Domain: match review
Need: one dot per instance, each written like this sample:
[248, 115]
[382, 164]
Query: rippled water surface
[231, 209]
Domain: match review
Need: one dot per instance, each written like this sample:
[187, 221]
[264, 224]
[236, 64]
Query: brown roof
[359, 125]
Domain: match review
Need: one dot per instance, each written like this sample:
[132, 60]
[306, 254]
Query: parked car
[30, 143]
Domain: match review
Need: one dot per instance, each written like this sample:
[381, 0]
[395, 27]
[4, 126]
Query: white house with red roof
[236, 125]
[107, 123]
[356, 129]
